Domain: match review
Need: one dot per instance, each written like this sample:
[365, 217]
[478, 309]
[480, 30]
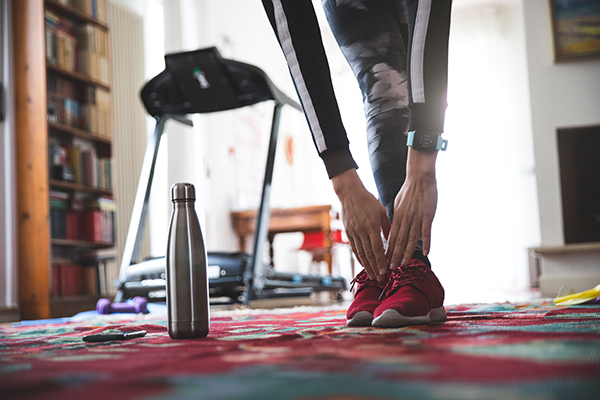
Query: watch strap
[426, 141]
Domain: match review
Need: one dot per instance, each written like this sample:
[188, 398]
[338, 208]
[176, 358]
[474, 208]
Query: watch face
[425, 141]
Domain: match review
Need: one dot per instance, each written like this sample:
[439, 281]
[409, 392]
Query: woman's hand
[364, 218]
[414, 209]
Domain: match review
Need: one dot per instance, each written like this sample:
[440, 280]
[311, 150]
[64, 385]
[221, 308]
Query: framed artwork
[576, 25]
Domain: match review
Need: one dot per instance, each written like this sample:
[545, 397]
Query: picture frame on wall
[576, 27]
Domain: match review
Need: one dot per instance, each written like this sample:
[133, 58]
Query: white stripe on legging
[290, 54]
[418, 51]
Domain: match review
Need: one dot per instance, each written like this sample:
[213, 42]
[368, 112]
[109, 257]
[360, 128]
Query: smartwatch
[426, 141]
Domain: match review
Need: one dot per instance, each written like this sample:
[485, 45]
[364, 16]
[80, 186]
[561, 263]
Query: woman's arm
[296, 27]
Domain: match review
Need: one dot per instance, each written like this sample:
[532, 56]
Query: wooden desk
[285, 220]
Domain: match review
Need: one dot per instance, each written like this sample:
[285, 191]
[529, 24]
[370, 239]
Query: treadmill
[201, 81]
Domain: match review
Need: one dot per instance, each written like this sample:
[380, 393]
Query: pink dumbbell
[104, 306]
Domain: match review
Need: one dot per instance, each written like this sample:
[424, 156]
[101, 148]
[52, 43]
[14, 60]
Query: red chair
[320, 244]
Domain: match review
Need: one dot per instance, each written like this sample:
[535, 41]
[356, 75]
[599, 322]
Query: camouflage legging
[373, 36]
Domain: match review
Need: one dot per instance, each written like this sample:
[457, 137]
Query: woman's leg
[373, 37]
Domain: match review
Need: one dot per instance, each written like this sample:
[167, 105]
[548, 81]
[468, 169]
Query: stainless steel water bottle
[187, 281]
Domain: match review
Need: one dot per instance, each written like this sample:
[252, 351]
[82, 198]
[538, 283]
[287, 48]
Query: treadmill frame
[259, 282]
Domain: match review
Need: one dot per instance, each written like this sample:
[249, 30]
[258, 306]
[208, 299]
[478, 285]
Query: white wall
[562, 95]
[487, 206]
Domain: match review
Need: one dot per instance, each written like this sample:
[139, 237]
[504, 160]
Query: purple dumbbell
[104, 306]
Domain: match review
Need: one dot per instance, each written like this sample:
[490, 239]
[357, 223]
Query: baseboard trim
[553, 285]
[9, 314]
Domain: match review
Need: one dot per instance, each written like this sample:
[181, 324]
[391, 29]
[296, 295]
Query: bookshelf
[76, 76]
[79, 243]
[66, 8]
[66, 242]
[65, 130]
[79, 188]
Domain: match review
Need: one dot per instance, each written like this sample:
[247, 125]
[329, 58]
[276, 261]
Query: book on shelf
[99, 220]
[64, 222]
[89, 171]
[67, 279]
[55, 280]
[90, 280]
[81, 48]
[72, 163]
[94, 273]
[71, 112]
[75, 158]
[92, 47]
[71, 280]
[59, 208]
[61, 44]
[73, 223]
[66, 51]
[77, 105]
[95, 111]
[75, 218]
[63, 101]
[78, 47]
[51, 24]
[105, 262]
[61, 166]
[108, 270]
[91, 226]
[93, 8]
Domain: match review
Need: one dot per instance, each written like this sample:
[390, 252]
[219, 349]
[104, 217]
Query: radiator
[129, 116]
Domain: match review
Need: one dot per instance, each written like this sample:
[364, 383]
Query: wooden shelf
[69, 299]
[73, 13]
[78, 132]
[77, 76]
[80, 243]
[81, 188]
[68, 306]
[572, 248]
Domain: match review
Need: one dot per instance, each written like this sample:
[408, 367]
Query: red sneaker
[366, 300]
[412, 296]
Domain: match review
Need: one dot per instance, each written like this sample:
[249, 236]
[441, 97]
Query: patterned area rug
[499, 351]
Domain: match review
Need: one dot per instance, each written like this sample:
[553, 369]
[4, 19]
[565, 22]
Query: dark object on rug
[496, 351]
[110, 336]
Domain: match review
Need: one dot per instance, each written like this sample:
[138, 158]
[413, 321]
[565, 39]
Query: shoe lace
[411, 274]
[363, 281]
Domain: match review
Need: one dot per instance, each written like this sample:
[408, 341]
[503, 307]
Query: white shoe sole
[393, 319]
[361, 318]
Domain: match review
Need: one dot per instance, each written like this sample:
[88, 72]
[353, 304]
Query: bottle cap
[183, 191]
